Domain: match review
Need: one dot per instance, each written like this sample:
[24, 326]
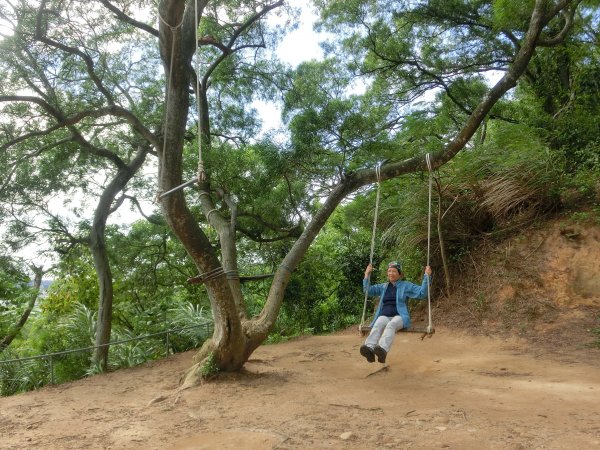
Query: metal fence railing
[51, 356]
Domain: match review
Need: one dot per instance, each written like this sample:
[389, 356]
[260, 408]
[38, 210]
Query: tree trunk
[227, 346]
[105, 299]
[100, 255]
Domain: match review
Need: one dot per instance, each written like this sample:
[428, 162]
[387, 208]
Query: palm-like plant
[192, 323]
[80, 326]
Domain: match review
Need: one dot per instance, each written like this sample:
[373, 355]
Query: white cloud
[302, 44]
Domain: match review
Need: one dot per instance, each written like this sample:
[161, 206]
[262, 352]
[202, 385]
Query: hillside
[511, 366]
[543, 286]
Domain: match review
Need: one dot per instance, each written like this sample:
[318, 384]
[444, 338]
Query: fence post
[51, 370]
[167, 353]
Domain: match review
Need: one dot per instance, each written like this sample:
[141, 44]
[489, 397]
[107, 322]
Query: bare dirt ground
[510, 367]
[450, 391]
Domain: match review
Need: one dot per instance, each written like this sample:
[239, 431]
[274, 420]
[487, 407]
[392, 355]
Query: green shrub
[209, 369]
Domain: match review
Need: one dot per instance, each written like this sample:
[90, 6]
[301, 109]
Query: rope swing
[429, 330]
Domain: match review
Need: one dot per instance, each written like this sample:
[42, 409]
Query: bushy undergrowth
[21, 376]
[189, 326]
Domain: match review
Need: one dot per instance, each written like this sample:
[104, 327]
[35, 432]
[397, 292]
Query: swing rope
[201, 173]
[375, 215]
[430, 325]
[168, 96]
[429, 330]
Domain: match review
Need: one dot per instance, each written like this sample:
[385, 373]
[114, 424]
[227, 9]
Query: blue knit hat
[396, 265]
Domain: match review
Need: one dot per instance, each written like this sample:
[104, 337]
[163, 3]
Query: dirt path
[451, 391]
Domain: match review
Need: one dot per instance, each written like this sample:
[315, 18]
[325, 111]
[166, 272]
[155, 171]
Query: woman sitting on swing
[392, 312]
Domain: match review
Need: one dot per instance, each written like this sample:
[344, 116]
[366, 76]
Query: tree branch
[130, 20]
[197, 279]
[89, 63]
[13, 332]
[152, 219]
[568, 16]
[69, 123]
[236, 34]
[293, 233]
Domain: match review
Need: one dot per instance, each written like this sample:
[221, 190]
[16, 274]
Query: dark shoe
[367, 352]
[381, 353]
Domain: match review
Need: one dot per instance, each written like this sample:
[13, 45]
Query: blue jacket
[404, 291]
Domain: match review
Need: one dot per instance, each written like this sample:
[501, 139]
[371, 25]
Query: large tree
[237, 336]
[213, 50]
[72, 128]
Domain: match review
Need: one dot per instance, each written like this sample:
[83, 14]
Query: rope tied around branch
[173, 28]
[232, 274]
[204, 277]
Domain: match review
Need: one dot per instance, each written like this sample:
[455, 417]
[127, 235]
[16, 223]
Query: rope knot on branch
[204, 277]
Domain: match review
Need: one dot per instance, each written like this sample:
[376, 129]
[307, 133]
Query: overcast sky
[301, 44]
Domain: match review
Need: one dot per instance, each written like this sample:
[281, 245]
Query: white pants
[384, 331]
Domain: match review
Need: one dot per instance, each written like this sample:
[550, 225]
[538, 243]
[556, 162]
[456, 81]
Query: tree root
[200, 372]
[191, 377]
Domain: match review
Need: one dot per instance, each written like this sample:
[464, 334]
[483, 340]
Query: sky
[300, 45]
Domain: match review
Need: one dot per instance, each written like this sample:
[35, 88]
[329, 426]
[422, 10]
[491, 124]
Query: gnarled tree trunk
[100, 255]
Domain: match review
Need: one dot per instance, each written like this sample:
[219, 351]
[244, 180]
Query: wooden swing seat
[424, 331]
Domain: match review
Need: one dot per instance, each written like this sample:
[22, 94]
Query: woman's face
[393, 274]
